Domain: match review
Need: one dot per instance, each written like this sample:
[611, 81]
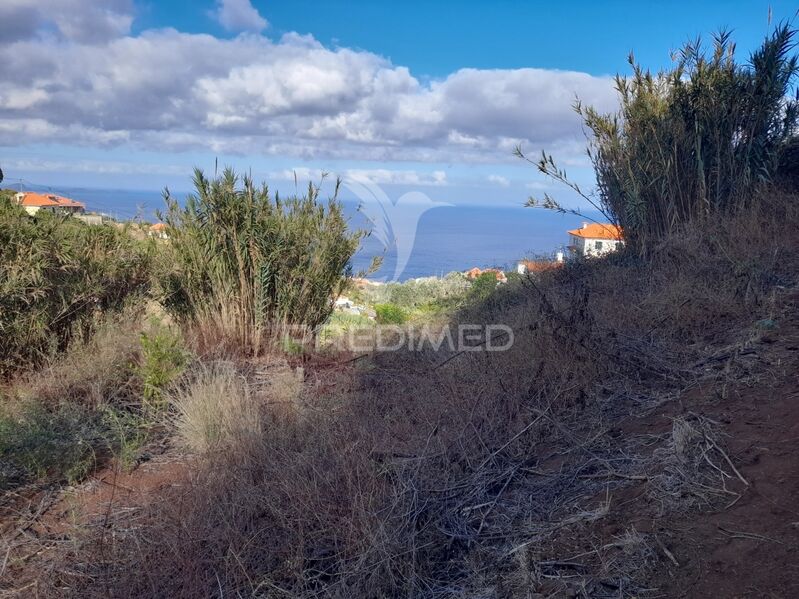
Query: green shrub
[691, 142]
[57, 445]
[126, 434]
[248, 264]
[56, 275]
[93, 372]
[390, 314]
[163, 359]
[483, 286]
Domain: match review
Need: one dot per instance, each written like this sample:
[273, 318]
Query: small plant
[163, 359]
[215, 409]
[38, 444]
[127, 434]
[390, 314]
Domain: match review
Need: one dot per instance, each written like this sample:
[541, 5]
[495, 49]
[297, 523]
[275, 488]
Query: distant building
[33, 202]
[158, 230]
[475, 272]
[595, 239]
[531, 267]
[91, 219]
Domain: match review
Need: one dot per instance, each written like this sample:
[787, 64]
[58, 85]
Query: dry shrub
[214, 409]
[93, 372]
[701, 280]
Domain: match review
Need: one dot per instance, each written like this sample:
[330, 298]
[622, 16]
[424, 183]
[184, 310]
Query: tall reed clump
[248, 264]
[697, 140]
[56, 276]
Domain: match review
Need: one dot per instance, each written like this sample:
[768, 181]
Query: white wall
[588, 247]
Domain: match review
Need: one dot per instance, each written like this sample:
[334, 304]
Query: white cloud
[499, 180]
[301, 174]
[75, 20]
[94, 166]
[293, 97]
[397, 177]
[538, 186]
[239, 15]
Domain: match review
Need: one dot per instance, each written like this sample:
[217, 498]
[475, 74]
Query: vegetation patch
[390, 314]
[47, 445]
[249, 264]
[56, 276]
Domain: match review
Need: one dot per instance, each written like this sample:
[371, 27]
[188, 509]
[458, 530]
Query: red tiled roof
[475, 272]
[62, 201]
[534, 266]
[598, 231]
[41, 200]
[37, 199]
[158, 227]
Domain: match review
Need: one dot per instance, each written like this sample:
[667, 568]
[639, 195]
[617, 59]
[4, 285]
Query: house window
[598, 245]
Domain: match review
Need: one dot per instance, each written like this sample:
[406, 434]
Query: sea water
[447, 238]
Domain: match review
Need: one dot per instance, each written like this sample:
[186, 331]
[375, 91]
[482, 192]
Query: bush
[36, 443]
[390, 314]
[56, 275]
[162, 361]
[215, 409]
[93, 401]
[696, 141]
[483, 286]
[248, 264]
[93, 372]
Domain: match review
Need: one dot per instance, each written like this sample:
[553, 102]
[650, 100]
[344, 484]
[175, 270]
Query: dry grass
[435, 474]
[215, 409]
[95, 372]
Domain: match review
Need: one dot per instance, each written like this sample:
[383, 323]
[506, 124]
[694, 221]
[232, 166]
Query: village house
[595, 239]
[32, 202]
[158, 231]
[532, 267]
[475, 272]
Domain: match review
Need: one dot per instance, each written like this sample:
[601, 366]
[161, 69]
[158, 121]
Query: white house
[531, 267]
[595, 239]
[158, 231]
[33, 202]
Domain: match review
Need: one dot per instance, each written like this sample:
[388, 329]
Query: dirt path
[750, 549]
[40, 527]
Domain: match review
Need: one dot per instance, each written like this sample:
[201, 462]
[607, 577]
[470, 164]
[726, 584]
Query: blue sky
[415, 95]
[436, 38]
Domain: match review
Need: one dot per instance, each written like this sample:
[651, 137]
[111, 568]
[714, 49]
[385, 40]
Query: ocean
[447, 238]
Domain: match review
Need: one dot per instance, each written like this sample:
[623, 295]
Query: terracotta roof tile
[598, 231]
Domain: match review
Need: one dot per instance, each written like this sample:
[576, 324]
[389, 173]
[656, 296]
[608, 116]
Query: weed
[214, 409]
[163, 359]
[58, 446]
[390, 314]
[127, 433]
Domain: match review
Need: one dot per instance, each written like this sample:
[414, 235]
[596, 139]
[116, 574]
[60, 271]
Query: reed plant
[691, 142]
[247, 264]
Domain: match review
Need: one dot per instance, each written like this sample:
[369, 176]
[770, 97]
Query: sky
[428, 96]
